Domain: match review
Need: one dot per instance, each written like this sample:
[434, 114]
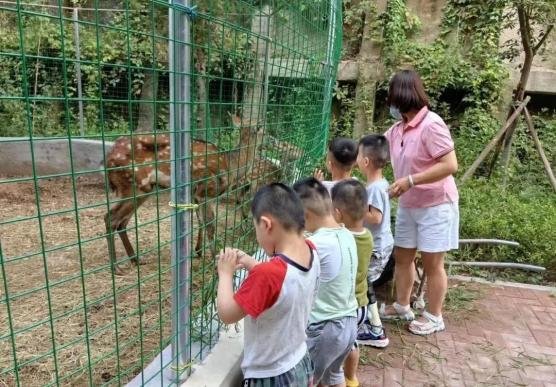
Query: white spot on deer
[128, 146]
[145, 181]
[148, 159]
[163, 179]
[139, 146]
[136, 169]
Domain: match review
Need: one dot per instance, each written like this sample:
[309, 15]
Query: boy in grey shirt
[372, 157]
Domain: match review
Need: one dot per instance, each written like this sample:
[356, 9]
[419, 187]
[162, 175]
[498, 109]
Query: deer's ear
[236, 120]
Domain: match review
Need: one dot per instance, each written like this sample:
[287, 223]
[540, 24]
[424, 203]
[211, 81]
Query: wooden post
[495, 140]
[540, 149]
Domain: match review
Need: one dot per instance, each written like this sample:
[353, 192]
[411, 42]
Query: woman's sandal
[431, 325]
[400, 312]
[352, 382]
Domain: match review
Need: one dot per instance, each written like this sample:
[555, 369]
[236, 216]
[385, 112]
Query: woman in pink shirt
[424, 160]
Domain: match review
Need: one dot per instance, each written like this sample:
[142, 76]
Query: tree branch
[543, 39]
[524, 29]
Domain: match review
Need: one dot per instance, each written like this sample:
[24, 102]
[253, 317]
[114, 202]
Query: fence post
[180, 142]
[328, 68]
[78, 69]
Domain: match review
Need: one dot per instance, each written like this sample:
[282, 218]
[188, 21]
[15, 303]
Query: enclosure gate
[154, 119]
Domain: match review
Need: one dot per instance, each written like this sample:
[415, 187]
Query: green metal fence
[132, 136]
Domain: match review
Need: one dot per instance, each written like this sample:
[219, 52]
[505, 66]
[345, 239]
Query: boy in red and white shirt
[277, 296]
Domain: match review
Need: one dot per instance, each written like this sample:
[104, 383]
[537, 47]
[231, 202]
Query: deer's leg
[119, 217]
[112, 222]
[205, 216]
[129, 209]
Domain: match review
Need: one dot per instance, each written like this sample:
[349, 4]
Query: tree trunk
[255, 95]
[526, 42]
[201, 84]
[370, 70]
[147, 107]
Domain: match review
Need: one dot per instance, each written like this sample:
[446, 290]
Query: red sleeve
[261, 288]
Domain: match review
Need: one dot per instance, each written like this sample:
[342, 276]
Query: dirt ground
[127, 319]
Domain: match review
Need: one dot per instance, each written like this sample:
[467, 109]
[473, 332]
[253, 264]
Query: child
[340, 159]
[372, 157]
[276, 296]
[332, 326]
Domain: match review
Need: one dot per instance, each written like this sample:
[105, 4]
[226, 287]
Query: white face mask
[395, 113]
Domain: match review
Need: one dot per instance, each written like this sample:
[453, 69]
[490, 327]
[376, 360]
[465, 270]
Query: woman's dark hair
[406, 91]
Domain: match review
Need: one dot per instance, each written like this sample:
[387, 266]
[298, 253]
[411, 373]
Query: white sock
[372, 314]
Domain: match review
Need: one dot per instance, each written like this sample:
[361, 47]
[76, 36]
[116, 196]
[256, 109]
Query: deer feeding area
[78, 273]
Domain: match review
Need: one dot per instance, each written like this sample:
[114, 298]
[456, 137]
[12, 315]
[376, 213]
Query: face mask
[395, 113]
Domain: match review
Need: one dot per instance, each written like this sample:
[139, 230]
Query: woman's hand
[399, 187]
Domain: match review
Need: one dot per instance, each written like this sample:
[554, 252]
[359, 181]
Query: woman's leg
[404, 274]
[437, 281]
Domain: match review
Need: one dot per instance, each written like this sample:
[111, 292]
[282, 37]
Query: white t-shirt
[277, 297]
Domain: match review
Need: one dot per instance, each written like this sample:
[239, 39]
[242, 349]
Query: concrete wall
[50, 156]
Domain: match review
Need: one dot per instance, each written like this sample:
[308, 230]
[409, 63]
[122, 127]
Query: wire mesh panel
[132, 136]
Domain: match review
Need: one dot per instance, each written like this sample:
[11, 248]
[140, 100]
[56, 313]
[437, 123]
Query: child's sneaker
[400, 312]
[367, 336]
[431, 325]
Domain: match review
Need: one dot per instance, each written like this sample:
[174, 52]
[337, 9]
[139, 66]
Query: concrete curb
[520, 285]
[222, 366]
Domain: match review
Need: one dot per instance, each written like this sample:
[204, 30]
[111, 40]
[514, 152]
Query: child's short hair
[282, 203]
[344, 151]
[314, 196]
[350, 196]
[375, 147]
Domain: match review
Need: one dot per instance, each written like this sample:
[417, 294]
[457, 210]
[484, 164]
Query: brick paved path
[505, 337]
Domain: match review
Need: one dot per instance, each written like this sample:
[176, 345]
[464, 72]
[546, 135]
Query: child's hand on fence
[318, 174]
[228, 262]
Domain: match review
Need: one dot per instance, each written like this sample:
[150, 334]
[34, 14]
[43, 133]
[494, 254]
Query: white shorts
[431, 229]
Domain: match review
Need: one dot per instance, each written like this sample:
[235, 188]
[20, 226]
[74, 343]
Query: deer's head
[251, 133]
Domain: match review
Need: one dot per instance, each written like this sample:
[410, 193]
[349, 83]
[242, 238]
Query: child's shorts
[379, 260]
[329, 343]
[301, 375]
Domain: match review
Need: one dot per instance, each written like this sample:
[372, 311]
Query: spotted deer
[138, 163]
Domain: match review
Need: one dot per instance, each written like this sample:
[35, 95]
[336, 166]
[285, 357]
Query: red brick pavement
[506, 337]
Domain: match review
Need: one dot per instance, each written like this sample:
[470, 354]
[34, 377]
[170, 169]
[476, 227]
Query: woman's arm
[445, 166]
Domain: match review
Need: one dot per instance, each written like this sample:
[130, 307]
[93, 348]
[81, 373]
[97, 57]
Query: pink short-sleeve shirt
[415, 147]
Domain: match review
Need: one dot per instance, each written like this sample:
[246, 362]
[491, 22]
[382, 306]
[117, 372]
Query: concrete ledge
[222, 366]
[51, 156]
[464, 278]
